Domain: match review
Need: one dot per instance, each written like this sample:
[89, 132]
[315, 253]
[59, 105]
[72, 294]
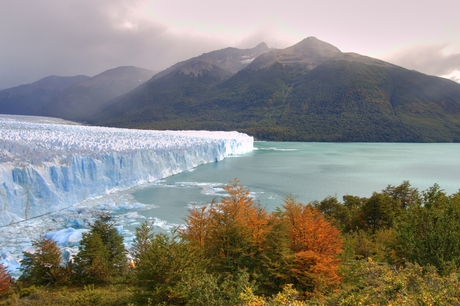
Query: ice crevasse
[46, 166]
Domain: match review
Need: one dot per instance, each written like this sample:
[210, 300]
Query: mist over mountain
[30, 99]
[308, 92]
[94, 94]
[72, 98]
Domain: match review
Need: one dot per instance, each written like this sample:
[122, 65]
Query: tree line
[399, 246]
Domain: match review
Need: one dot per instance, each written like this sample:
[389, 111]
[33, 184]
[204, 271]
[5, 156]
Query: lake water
[309, 172]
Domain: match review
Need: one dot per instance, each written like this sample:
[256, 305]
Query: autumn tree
[316, 244]
[43, 265]
[237, 234]
[5, 279]
[232, 232]
[294, 244]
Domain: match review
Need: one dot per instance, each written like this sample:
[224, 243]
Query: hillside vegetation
[308, 92]
[397, 247]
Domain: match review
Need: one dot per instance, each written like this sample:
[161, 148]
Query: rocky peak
[310, 51]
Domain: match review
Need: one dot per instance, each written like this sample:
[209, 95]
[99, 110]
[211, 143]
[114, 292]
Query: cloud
[454, 76]
[441, 59]
[70, 37]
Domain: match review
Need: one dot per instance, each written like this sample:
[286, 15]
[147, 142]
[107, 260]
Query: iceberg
[46, 166]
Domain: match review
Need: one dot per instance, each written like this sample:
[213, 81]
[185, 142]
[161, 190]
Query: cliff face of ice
[45, 167]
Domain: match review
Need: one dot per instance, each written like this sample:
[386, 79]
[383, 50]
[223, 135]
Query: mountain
[92, 95]
[183, 84]
[30, 99]
[231, 60]
[308, 92]
[72, 98]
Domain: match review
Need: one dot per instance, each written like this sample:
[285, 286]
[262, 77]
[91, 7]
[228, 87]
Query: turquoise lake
[307, 171]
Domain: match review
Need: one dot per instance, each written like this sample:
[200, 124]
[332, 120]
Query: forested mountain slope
[308, 92]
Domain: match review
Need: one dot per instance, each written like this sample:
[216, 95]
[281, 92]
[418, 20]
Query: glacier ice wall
[46, 167]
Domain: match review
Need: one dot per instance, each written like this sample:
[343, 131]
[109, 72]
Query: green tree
[92, 261]
[43, 265]
[336, 212]
[277, 258]
[165, 261]
[354, 205]
[102, 254]
[404, 195]
[378, 212]
[142, 240]
[429, 232]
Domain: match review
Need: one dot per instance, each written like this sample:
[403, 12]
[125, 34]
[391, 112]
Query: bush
[371, 283]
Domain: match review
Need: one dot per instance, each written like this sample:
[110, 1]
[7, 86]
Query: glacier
[47, 165]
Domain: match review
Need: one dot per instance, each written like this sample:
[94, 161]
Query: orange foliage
[240, 207]
[316, 243]
[197, 226]
[234, 233]
[237, 210]
[5, 279]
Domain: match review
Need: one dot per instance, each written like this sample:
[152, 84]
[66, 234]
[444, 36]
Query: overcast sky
[39, 38]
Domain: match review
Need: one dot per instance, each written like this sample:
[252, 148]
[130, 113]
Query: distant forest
[400, 246]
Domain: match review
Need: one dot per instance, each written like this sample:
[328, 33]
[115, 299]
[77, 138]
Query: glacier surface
[46, 166]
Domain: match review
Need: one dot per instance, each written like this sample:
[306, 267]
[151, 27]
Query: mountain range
[310, 91]
[72, 98]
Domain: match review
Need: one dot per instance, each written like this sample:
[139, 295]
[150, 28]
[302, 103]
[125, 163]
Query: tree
[316, 244]
[378, 212]
[404, 194]
[294, 244]
[277, 258]
[164, 263]
[214, 289]
[354, 206]
[43, 265]
[429, 232]
[232, 232]
[5, 279]
[335, 212]
[142, 240]
[92, 260]
[102, 254]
